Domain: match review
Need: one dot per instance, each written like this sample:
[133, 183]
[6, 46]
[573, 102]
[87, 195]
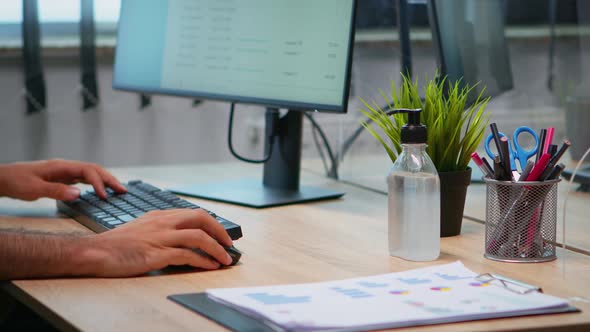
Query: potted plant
[454, 129]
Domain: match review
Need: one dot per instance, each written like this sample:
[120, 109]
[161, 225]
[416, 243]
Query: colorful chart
[451, 277]
[416, 304]
[441, 289]
[479, 284]
[352, 292]
[399, 292]
[432, 309]
[441, 310]
[278, 299]
[414, 281]
[372, 284]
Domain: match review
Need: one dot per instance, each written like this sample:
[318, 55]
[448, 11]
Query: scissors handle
[510, 152]
[521, 154]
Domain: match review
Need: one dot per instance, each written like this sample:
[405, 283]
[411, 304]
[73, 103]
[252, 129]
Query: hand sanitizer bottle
[414, 196]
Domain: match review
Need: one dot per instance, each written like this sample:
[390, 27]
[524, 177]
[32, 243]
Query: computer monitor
[293, 54]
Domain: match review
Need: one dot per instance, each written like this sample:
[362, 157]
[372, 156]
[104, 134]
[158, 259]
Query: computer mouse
[234, 253]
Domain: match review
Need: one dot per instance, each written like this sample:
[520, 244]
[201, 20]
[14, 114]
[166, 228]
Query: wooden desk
[370, 172]
[293, 244]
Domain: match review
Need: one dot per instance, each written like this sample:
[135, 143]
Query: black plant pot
[453, 190]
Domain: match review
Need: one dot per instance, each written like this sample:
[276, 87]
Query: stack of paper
[438, 294]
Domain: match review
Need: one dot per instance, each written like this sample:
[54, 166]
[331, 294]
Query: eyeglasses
[512, 285]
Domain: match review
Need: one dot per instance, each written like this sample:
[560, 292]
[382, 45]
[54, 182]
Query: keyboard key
[223, 220]
[187, 205]
[115, 222]
[166, 196]
[147, 188]
[125, 217]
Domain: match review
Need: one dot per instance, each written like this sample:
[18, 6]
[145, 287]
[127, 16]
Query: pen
[541, 144]
[566, 144]
[506, 157]
[477, 160]
[488, 166]
[533, 232]
[556, 172]
[498, 170]
[539, 168]
[527, 170]
[496, 136]
[554, 159]
[548, 139]
[552, 149]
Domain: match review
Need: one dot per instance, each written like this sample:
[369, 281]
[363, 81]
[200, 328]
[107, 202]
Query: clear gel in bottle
[414, 197]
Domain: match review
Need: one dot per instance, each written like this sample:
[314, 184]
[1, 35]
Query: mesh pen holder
[521, 221]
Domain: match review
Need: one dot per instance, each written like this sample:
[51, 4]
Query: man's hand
[151, 242]
[52, 178]
[159, 239]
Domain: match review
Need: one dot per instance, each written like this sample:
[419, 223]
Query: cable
[334, 159]
[350, 140]
[580, 162]
[271, 135]
[333, 173]
[319, 148]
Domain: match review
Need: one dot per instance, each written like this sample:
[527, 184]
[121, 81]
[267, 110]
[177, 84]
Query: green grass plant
[455, 129]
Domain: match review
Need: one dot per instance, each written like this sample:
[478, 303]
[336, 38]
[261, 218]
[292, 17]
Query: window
[59, 20]
[11, 11]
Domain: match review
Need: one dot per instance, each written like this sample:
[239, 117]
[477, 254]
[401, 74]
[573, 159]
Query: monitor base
[252, 193]
[582, 177]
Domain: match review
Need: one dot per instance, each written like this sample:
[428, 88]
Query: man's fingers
[58, 191]
[70, 172]
[180, 256]
[111, 181]
[197, 239]
[92, 177]
[199, 219]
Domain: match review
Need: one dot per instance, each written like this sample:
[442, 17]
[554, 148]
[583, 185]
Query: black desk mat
[219, 313]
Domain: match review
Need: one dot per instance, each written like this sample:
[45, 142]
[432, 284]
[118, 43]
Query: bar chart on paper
[437, 294]
[270, 299]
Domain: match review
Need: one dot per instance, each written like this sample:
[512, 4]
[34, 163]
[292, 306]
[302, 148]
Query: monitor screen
[281, 53]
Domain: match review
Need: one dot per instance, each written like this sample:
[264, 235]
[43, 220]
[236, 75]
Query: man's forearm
[26, 255]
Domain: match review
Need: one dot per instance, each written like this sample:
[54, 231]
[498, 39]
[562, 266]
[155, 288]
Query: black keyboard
[101, 215]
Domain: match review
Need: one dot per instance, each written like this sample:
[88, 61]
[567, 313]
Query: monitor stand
[280, 183]
[582, 177]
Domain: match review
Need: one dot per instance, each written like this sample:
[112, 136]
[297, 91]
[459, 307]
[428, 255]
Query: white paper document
[437, 294]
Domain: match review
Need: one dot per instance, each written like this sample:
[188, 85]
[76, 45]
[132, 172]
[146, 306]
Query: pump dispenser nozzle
[413, 132]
